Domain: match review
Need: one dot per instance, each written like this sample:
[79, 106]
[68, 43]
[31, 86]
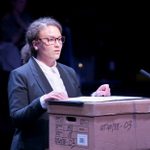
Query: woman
[40, 79]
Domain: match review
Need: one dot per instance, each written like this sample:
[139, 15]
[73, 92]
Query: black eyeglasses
[52, 40]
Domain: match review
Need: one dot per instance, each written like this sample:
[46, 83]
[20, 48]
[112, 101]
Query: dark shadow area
[6, 128]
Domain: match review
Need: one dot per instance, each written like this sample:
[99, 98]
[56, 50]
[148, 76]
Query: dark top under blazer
[26, 85]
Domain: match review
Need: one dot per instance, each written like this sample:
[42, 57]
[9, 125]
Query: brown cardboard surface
[103, 108]
[117, 125]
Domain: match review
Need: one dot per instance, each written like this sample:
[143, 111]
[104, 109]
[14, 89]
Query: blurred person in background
[15, 22]
[9, 59]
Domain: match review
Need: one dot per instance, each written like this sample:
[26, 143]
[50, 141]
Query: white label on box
[82, 139]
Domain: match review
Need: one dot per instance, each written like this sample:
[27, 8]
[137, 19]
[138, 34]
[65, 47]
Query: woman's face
[49, 43]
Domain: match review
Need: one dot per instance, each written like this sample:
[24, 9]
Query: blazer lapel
[66, 80]
[39, 76]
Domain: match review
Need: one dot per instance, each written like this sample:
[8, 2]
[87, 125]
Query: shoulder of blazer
[30, 66]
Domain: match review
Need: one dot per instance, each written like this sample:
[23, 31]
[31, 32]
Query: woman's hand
[103, 90]
[55, 95]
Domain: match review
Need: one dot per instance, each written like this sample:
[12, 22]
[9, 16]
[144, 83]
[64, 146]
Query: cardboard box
[121, 124]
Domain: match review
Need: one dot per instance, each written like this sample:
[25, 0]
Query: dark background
[110, 39]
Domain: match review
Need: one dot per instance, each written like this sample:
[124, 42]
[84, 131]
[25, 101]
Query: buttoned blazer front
[25, 87]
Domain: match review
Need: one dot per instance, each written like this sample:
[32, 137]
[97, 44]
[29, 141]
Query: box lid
[99, 106]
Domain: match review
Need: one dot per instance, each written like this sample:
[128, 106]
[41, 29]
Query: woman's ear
[35, 45]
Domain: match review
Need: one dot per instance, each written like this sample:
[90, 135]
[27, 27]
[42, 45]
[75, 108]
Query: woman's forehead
[49, 30]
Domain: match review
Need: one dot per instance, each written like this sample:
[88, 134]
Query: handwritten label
[116, 126]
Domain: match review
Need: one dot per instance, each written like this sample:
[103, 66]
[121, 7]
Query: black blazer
[25, 87]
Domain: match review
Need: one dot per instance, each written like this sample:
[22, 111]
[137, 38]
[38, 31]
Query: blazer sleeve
[23, 111]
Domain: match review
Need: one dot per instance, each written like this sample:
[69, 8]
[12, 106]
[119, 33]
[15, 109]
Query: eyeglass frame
[52, 40]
